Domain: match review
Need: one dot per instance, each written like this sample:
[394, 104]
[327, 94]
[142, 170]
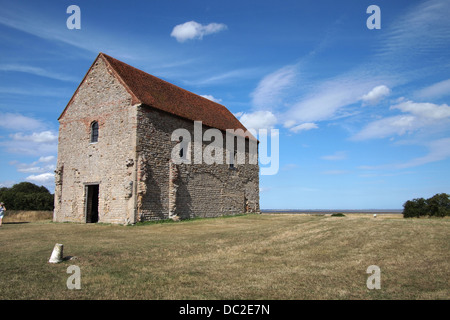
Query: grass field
[268, 256]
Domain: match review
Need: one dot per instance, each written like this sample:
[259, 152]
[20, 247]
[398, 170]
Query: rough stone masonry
[126, 174]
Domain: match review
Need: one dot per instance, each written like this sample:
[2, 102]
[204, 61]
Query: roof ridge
[106, 56]
[164, 96]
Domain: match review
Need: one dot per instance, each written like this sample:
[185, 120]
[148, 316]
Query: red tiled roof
[162, 95]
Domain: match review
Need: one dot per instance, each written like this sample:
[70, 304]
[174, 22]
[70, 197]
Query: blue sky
[363, 114]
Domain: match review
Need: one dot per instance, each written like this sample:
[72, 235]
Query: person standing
[2, 211]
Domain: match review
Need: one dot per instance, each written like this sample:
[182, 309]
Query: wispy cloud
[268, 94]
[416, 116]
[289, 166]
[46, 25]
[436, 90]
[29, 21]
[387, 127]
[304, 127]
[338, 155]
[438, 150]
[226, 77]
[335, 172]
[329, 99]
[423, 28]
[37, 71]
[37, 91]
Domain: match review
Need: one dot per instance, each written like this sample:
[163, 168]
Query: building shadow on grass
[21, 222]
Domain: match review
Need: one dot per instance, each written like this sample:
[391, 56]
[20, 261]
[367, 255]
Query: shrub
[338, 215]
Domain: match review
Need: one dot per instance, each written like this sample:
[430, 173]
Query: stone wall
[179, 191]
[110, 162]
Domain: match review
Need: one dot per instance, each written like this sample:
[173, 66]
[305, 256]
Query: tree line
[436, 206]
[27, 196]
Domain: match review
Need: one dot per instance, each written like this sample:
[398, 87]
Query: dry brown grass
[248, 257]
[14, 216]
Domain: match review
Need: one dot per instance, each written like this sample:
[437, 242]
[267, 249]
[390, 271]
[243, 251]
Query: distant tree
[439, 205]
[28, 187]
[415, 208]
[436, 206]
[27, 196]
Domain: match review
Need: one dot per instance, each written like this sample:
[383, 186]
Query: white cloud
[436, 90]
[212, 98]
[376, 95]
[37, 143]
[44, 178]
[258, 120]
[193, 30]
[338, 155]
[35, 167]
[424, 110]
[304, 127]
[18, 122]
[37, 137]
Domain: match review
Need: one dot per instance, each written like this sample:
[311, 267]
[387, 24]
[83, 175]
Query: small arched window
[94, 132]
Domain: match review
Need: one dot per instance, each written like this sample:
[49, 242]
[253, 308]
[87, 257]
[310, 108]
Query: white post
[57, 254]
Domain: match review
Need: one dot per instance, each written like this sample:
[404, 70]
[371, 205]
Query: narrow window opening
[94, 132]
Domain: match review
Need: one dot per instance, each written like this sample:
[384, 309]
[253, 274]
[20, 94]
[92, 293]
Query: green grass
[246, 257]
